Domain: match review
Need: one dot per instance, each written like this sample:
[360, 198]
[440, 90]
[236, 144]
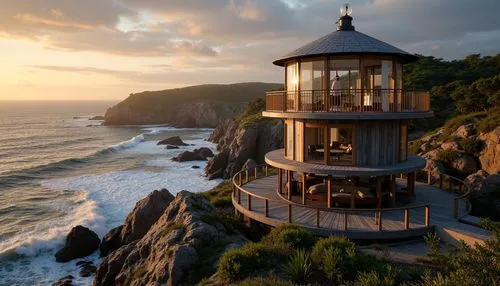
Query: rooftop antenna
[346, 10]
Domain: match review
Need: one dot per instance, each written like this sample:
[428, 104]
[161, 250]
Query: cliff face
[190, 107]
[239, 142]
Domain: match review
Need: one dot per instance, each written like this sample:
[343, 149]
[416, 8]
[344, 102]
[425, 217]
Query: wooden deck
[360, 224]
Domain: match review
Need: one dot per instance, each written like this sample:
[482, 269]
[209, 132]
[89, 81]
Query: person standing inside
[335, 93]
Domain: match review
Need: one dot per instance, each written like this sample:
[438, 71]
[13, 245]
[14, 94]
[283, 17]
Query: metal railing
[460, 187]
[348, 100]
[247, 175]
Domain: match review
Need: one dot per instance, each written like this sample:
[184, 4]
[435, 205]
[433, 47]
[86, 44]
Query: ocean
[58, 169]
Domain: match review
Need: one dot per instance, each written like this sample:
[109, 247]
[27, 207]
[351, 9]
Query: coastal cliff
[248, 136]
[202, 106]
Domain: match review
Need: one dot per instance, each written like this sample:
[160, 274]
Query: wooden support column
[329, 193]
[280, 181]
[379, 193]
[326, 143]
[393, 191]
[289, 183]
[410, 184]
[303, 188]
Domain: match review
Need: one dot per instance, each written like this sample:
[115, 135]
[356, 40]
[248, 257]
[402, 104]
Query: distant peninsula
[201, 106]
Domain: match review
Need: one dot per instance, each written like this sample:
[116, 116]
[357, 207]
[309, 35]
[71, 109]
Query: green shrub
[491, 122]
[447, 156]
[290, 236]
[415, 146]
[220, 196]
[471, 145]
[335, 257]
[299, 267]
[267, 281]
[251, 258]
[374, 278]
[452, 124]
[231, 222]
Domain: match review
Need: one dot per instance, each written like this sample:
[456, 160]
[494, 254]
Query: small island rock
[80, 242]
[175, 141]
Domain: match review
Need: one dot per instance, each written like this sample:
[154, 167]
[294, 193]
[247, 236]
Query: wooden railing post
[266, 208]
[249, 202]
[290, 213]
[345, 221]
[440, 181]
[246, 176]
[255, 172]
[379, 220]
[428, 177]
[239, 196]
[266, 169]
[427, 215]
[240, 180]
[407, 219]
[317, 218]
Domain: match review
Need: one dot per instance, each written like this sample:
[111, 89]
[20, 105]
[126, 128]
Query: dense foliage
[457, 87]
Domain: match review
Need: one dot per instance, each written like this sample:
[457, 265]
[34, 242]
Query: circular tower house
[346, 117]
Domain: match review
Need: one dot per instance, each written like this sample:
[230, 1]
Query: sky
[107, 49]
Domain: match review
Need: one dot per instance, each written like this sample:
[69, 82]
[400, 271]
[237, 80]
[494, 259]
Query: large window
[345, 81]
[292, 85]
[314, 142]
[341, 145]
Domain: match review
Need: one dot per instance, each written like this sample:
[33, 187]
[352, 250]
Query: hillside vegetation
[457, 87]
[195, 106]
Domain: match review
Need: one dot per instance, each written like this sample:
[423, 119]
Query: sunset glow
[87, 50]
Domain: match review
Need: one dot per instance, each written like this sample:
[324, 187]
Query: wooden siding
[377, 143]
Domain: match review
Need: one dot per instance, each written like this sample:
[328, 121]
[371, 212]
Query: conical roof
[346, 40]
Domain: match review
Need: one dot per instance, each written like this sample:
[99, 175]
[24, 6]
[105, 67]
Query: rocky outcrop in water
[239, 142]
[138, 222]
[173, 247]
[80, 242]
[172, 141]
[201, 154]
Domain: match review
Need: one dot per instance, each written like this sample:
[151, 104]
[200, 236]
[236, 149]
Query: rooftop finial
[345, 21]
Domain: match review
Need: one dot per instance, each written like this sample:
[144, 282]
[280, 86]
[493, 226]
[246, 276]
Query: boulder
[215, 167]
[80, 242]
[486, 202]
[475, 181]
[465, 164]
[490, 156]
[450, 146]
[172, 147]
[204, 153]
[188, 156]
[465, 131]
[65, 281]
[87, 268]
[145, 213]
[195, 167]
[435, 167]
[167, 254]
[250, 164]
[175, 141]
[97, 118]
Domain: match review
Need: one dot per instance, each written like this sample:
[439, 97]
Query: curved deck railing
[458, 186]
[247, 175]
[348, 100]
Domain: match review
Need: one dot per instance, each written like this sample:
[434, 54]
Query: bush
[220, 196]
[415, 146]
[452, 124]
[491, 122]
[471, 145]
[447, 156]
[251, 258]
[267, 281]
[299, 268]
[290, 236]
[336, 257]
[231, 222]
[373, 278]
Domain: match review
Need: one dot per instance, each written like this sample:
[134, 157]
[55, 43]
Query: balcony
[348, 100]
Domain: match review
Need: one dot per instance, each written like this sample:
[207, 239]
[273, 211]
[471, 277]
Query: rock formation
[201, 154]
[239, 142]
[172, 141]
[80, 242]
[145, 213]
[172, 247]
[490, 156]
